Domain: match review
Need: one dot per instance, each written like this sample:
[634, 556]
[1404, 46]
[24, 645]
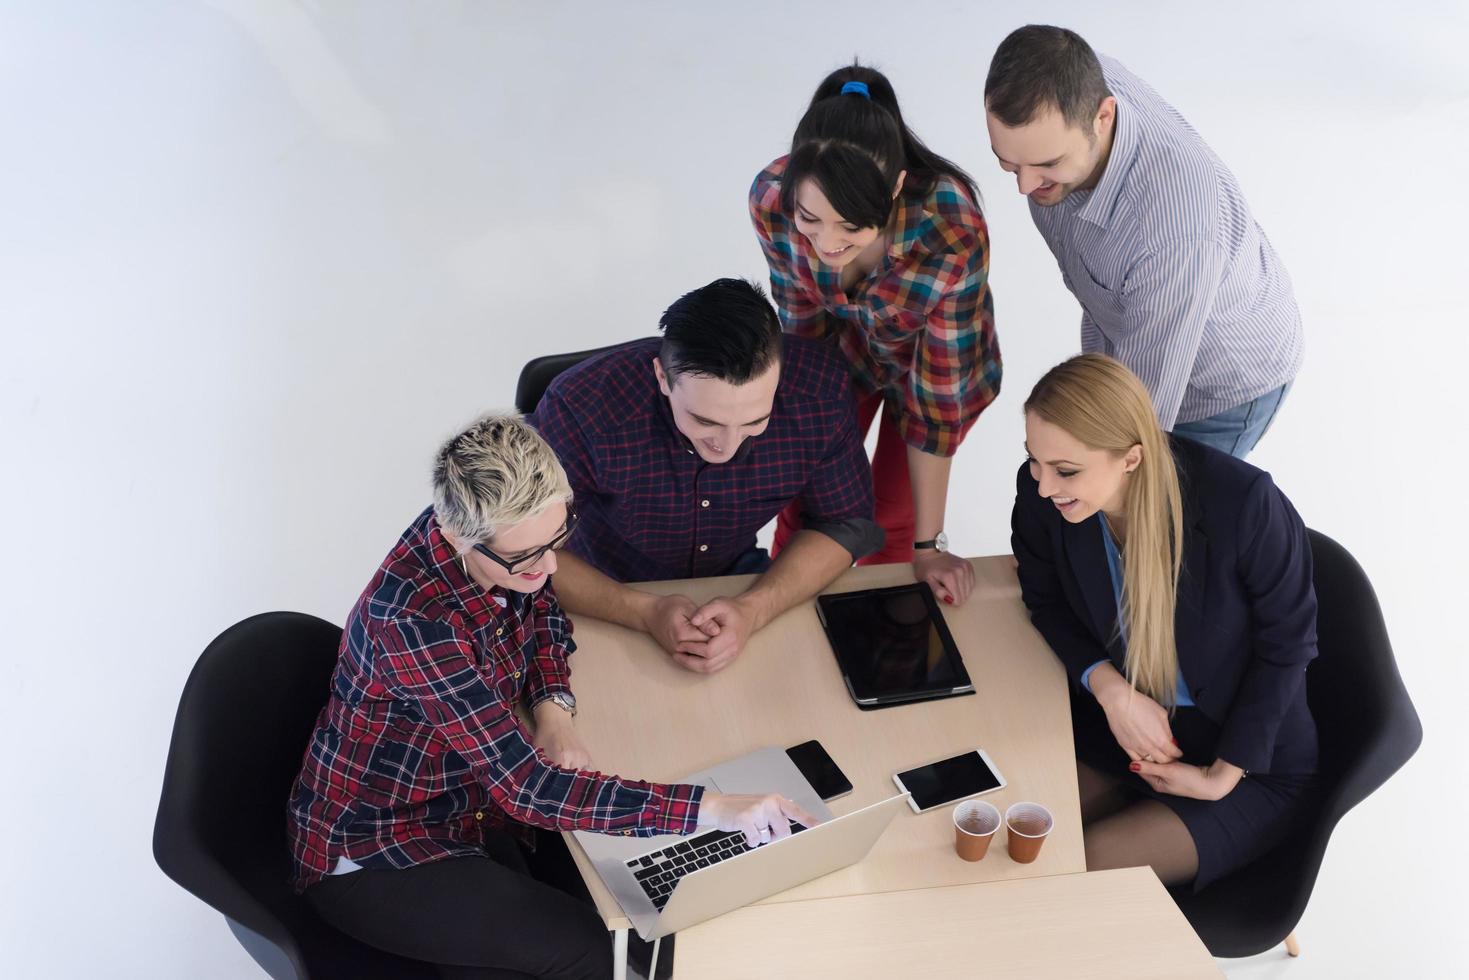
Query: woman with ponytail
[877, 243]
[1173, 581]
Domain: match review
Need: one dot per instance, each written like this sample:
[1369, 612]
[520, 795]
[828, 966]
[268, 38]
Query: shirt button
[500, 631]
[517, 673]
[703, 547]
[703, 503]
[479, 814]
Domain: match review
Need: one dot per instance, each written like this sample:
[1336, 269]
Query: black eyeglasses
[520, 564]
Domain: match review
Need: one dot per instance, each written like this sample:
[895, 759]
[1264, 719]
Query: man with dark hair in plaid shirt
[680, 450]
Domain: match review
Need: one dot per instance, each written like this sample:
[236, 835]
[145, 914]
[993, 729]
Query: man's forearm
[806, 566]
[583, 590]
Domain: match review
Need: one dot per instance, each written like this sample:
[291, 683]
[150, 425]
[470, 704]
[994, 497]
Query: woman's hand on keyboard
[761, 818]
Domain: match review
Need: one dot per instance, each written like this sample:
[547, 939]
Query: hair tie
[858, 87]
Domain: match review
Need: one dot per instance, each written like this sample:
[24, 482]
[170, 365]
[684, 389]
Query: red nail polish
[1136, 767]
[1175, 742]
[948, 600]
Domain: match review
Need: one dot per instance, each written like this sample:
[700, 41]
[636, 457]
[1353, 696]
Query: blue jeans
[1238, 430]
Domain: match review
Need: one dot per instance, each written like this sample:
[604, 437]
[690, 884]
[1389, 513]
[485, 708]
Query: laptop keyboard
[660, 871]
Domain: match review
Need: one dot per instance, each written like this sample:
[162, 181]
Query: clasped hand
[703, 638]
[1212, 782]
[1141, 728]
[1139, 723]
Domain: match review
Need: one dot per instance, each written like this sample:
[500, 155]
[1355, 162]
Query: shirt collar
[912, 219]
[1098, 208]
[475, 598]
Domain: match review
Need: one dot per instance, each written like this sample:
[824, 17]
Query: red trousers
[890, 483]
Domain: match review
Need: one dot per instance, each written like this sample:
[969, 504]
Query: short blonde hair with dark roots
[493, 475]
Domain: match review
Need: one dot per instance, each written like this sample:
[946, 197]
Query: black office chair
[538, 374]
[245, 716]
[1367, 728]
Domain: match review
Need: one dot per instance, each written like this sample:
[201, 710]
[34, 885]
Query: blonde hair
[1103, 404]
[493, 475]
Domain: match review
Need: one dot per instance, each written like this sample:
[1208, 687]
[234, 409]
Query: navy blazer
[1246, 613]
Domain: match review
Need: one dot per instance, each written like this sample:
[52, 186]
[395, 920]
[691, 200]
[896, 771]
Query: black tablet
[892, 645]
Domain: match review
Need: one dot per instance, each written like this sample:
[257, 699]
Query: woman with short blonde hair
[1174, 583]
[420, 821]
[496, 473]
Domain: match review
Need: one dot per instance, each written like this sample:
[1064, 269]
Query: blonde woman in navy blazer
[1174, 583]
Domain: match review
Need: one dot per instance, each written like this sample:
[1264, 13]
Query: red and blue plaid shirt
[418, 751]
[920, 329]
[650, 508]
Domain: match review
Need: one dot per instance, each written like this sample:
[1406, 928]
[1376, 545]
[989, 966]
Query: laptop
[667, 883]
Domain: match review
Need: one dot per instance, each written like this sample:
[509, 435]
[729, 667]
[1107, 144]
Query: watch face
[941, 542]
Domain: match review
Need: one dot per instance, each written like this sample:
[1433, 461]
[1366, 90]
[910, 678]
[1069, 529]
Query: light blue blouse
[1114, 568]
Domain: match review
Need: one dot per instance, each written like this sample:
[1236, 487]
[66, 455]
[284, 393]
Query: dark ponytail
[854, 147]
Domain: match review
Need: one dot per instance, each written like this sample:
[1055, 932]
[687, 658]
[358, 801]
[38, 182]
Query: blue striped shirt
[1174, 276]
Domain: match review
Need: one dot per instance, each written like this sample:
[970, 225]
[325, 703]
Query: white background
[258, 258]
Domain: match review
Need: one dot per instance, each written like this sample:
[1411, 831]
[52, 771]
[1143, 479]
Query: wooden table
[643, 716]
[1105, 924]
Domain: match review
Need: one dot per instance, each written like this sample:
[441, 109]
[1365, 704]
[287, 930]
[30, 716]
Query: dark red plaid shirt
[418, 751]
[652, 509]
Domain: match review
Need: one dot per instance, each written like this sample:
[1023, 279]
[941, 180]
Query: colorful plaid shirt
[920, 329]
[418, 751]
[650, 508]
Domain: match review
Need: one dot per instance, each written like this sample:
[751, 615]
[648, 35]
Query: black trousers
[512, 915]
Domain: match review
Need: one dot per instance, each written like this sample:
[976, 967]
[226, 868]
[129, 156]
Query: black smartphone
[820, 770]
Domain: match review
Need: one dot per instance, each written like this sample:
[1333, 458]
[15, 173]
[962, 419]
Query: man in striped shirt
[1153, 236]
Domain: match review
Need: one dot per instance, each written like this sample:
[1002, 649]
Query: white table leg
[619, 954]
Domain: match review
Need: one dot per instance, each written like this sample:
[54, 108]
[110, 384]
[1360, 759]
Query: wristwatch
[939, 543]
[566, 702]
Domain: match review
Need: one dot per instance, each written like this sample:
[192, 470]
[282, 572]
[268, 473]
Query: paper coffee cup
[975, 823]
[1026, 827]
